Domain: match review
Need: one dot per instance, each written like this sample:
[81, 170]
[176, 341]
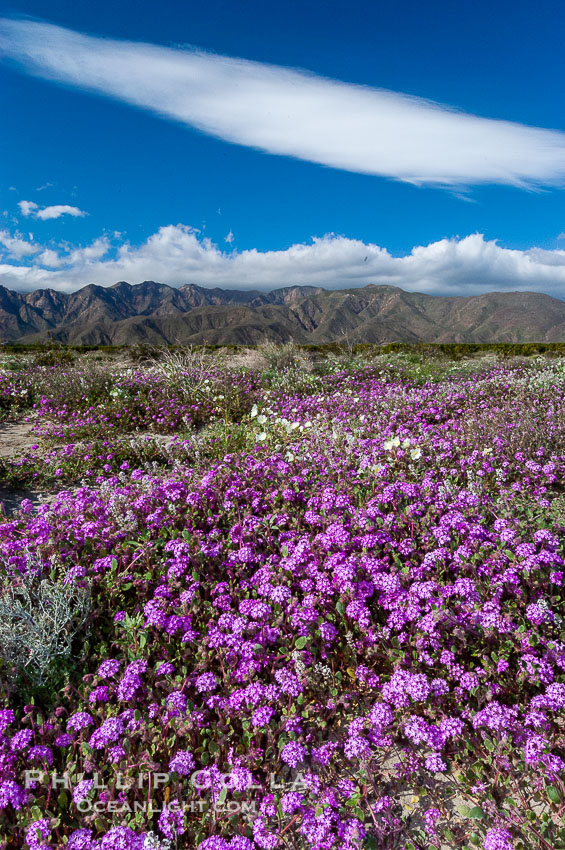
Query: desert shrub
[146, 354]
[182, 371]
[528, 427]
[284, 357]
[16, 392]
[40, 616]
[249, 358]
[54, 356]
[77, 387]
[12, 363]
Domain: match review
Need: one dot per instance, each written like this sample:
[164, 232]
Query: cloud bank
[177, 254]
[293, 113]
[30, 208]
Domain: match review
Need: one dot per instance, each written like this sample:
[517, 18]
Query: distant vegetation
[455, 351]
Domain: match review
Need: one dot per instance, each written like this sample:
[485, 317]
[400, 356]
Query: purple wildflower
[80, 720]
[82, 789]
[206, 682]
[498, 839]
[293, 753]
[182, 762]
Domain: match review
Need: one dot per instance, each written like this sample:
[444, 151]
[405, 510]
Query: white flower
[254, 411]
[405, 443]
[261, 437]
[416, 454]
[261, 419]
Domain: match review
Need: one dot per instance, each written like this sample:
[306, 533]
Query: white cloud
[177, 254]
[27, 207]
[294, 113]
[51, 259]
[79, 256]
[58, 210]
[229, 238]
[16, 246]
[30, 208]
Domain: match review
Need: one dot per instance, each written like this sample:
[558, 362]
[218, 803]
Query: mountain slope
[155, 313]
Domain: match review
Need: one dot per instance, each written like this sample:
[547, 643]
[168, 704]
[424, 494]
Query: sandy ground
[15, 439]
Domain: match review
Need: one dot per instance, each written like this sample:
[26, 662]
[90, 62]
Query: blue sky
[259, 175]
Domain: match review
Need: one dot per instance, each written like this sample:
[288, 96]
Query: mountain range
[154, 313]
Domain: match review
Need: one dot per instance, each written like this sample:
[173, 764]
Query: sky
[248, 144]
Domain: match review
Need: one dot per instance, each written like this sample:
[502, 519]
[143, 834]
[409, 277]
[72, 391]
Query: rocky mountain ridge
[154, 313]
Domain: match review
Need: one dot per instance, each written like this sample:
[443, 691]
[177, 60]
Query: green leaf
[223, 794]
[301, 642]
[475, 839]
[489, 745]
[476, 813]
[553, 794]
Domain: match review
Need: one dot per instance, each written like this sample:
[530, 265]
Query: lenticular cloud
[294, 113]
